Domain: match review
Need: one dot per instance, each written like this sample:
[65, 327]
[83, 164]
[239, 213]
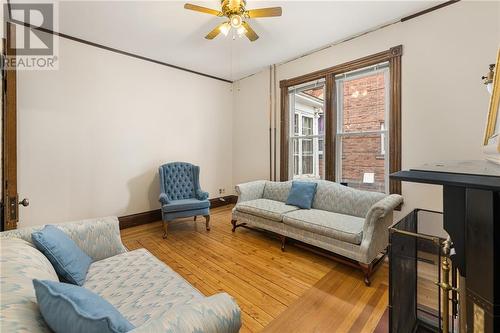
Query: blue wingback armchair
[180, 193]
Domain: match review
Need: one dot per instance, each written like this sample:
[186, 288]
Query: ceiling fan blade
[250, 33]
[203, 9]
[214, 33]
[264, 12]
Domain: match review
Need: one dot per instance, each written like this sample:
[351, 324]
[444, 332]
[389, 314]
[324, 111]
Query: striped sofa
[348, 222]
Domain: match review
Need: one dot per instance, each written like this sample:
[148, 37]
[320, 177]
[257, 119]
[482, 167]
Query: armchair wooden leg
[195, 218]
[207, 222]
[283, 243]
[165, 229]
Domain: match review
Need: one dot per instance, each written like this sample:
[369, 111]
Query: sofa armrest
[376, 228]
[215, 314]
[384, 207]
[99, 237]
[201, 195]
[164, 199]
[251, 190]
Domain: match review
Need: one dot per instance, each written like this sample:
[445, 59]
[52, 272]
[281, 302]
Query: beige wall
[444, 103]
[251, 128]
[93, 133]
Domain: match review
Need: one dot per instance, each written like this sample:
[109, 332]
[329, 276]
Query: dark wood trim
[428, 10]
[284, 124]
[139, 218]
[270, 123]
[395, 123]
[155, 215]
[9, 135]
[330, 127]
[393, 56]
[222, 201]
[111, 49]
[345, 67]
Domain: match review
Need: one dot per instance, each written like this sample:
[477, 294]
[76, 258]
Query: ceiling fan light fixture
[224, 29]
[236, 21]
[235, 11]
[241, 31]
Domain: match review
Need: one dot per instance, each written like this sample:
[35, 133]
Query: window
[306, 135]
[362, 110]
[296, 130]
[382, 138]
[343, 123]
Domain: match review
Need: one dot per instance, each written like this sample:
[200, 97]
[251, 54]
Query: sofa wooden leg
[207, 222]
[165, 229]
[233, 222]
[283, 243]
[367, 271]
[195, 218]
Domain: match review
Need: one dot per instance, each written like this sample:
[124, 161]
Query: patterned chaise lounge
[148, 293]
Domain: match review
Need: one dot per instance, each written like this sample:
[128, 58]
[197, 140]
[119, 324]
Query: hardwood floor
[291, 291]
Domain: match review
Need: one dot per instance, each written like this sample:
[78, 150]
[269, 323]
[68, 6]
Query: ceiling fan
[235, 11]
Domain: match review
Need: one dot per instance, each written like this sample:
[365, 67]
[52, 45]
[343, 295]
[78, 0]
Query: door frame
[10, 206]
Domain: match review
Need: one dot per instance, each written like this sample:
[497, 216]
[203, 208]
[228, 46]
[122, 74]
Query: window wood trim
[393, 56]
[330, 128]
[284, 129]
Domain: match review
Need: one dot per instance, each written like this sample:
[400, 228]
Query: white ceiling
[165, 31]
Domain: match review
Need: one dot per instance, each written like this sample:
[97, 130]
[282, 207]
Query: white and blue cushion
[69, 308]
[302, 194]
[69, 261]
[139, 285]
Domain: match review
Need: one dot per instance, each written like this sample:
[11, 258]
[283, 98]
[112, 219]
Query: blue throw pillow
[69, 308]
[302, 194]
[69, 261]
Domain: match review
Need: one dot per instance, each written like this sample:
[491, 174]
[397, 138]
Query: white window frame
[299, 137]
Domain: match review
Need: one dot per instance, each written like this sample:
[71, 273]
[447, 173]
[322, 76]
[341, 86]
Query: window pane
[307, 161]
[307, 165]
[295, 155]
[307, 126]
[321, 124]
[307, 146]
[364, 103]
[363, 164]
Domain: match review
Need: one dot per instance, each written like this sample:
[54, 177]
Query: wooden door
[10, 210]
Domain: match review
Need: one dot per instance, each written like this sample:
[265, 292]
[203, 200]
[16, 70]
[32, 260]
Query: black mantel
[471, 212]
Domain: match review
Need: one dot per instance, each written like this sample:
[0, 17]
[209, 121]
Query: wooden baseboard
[222, 201]
[155, 215]
[139, 218]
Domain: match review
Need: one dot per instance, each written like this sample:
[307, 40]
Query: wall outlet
[222, 191]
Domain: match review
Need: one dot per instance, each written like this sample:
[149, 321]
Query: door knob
[25, 202]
